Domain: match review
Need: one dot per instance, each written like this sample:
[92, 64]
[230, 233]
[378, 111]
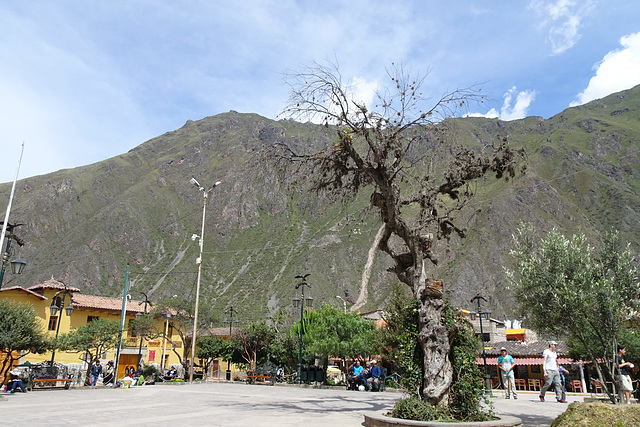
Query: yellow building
[90, 307]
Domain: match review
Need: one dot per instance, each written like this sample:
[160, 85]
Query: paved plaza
[229, 404]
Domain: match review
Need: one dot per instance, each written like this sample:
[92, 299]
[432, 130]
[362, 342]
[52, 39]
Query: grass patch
[599, 414]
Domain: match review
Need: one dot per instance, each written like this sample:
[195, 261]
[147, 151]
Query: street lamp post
[344, 303]
[146, 302]
[485, 314]
[199, 262]
[164, 341]
[17, 265]
[54, 310]
[231, 322]
[301, 301]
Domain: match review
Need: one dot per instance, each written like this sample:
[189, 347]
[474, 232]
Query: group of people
[134, 376]
[554, 374]
[108, 373]
[366, 377]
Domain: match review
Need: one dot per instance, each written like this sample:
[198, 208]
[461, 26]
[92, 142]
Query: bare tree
[419, 180]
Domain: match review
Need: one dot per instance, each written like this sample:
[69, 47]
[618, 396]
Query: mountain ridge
[83, 225]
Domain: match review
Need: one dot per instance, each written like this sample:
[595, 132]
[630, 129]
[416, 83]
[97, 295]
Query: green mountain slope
[84, 225]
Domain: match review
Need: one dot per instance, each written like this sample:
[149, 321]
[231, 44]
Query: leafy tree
[466, 392]
[401, 152]
[20, 333]
[181, 322]
[399, 346]
[211, 348]
[254, 342]
[284, 349]
[92, 340]
[565, 289]
[332, 332]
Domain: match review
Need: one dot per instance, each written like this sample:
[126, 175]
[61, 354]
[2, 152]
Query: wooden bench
[47, 381]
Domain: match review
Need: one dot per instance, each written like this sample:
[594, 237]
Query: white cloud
[359, 91]
[562, 19]
[522, 102]
[511, 110]
[363, 91]
[618, 70]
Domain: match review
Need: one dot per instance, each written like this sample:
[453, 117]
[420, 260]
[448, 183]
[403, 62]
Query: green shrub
[402, 350]
[398, 344]
[416, 409]
[150, 372]
[467, 392]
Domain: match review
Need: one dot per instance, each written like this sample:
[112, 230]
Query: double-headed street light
[199, 262]
[54, 310]
[301, 302]
[17, 265]
[231, 323]
[483, 314]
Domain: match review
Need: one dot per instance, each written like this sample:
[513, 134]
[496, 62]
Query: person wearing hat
[625, 380]
[551, 373]
[15, 382]
[375, 374]
[506, 364]
[108, 375]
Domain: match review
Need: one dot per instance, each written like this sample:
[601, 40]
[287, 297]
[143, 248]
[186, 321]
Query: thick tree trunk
[432, 335]
[434, 339]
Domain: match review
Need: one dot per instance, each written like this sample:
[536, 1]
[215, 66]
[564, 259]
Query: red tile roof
[18, 288]
[87, 302]
[529, 361]
[93, 302]
[53, 284]
[526, 348]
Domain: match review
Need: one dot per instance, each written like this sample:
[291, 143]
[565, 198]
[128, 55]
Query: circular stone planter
[378, 420]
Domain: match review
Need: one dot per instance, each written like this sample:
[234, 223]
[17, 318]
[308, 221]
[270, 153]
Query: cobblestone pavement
[228, 404]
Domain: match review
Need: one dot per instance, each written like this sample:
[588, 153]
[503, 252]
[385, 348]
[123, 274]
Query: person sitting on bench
[375, 373]
[15, 382]
[171, 373]
[352, 378]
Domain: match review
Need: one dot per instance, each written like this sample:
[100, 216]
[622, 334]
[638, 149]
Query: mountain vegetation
[84, 225]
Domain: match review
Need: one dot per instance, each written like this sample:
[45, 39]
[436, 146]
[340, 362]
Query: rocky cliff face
[84, 225]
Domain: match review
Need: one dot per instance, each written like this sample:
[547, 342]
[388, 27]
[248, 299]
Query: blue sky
[83, 81]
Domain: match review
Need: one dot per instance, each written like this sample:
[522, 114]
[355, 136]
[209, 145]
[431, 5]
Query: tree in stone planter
[400, 151]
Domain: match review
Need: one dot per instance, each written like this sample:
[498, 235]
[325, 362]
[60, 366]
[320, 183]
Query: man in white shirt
[551, 372]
